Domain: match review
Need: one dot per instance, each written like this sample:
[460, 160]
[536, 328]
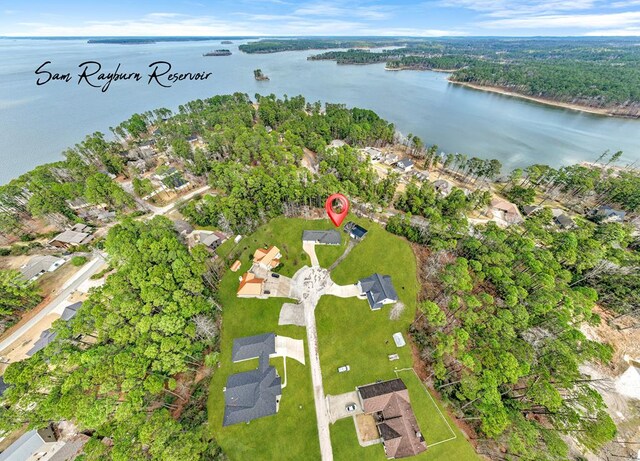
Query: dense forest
[599, 73]
[500, 310]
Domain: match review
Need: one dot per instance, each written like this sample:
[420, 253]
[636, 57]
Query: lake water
[38, 122]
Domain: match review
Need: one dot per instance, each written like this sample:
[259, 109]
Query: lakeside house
[39, 265]
[322, 237]
[378, 290]
[268, 258]
[374, 154]
[252, 394]
[506, 211]
[405, 165]
[442, 187]
[388, 403]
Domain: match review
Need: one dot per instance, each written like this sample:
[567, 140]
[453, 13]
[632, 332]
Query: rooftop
[251, 347]
[378, 289]
[28, 444]
[39, 264]
[72, 237]
[326, 237]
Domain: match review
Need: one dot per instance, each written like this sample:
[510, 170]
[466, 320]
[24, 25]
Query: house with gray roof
[607, 214]
[405, 164]
[252, 347]
[38, 265]
[378, 290]
[252, 394]
[47, 336]
[70, 238]
[322, 237]
[564, 221]
[256, 393]
[34, 445]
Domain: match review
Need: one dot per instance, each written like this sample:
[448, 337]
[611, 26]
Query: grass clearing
[286, 234]
[291, 434]
[348, 333]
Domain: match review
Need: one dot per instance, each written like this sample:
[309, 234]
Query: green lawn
[291, 434]
[349, 333]
[286, 234]
[434, 428]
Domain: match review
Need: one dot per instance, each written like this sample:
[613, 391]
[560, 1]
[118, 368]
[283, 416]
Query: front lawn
[286, 234]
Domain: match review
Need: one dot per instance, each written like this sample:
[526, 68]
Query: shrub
[78, 260]
[5, 251]
[27, 237]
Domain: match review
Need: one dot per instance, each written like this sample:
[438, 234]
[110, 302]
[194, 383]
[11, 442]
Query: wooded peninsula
[598, 74]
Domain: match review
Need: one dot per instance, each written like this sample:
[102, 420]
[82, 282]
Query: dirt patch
[366, 428]
[18, 350]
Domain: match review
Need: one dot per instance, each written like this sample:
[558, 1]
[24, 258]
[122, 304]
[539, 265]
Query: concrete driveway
[337, 404]
[278, 287]
[343, 291]
[310, 249]
[289, 347]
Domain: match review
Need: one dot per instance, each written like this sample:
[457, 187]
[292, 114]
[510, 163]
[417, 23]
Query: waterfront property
[389, 405]
[505, 211]
[405, 165]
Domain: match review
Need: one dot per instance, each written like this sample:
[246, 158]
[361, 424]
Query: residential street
[81, 276]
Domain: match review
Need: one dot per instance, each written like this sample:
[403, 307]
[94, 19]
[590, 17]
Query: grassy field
[291, 434]
[286, 234]
[444, 439]
[349, 332]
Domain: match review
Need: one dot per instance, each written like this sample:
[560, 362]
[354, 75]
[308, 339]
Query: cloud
[580, 21]
[625, 4]
[171, 24]
[507, 8]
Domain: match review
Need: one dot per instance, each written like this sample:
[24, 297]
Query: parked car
[267, 292]
[343, 368]
[277, 276]
[351, 407]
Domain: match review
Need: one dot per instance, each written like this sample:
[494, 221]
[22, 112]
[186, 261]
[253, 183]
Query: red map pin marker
[335, 216]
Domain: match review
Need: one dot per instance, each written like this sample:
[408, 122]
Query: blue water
[38, 122]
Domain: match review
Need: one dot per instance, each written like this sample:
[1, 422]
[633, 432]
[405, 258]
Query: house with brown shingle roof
[267, 258]
[388, 403]
[250, 286]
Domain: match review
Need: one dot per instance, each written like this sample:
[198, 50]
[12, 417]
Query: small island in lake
[226, 42]
[218, 53]
[259, 75]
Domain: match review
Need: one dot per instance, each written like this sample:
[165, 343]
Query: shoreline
[547, 102]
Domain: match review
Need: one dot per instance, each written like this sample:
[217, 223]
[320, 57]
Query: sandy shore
[548, 102]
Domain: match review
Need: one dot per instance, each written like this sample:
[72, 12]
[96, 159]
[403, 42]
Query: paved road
[311, 283]
[80, 277]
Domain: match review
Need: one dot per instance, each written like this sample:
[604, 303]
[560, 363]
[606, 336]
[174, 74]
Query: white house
[39, 265]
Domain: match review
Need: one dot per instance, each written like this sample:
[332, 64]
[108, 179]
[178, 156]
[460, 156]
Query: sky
[320, 18]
